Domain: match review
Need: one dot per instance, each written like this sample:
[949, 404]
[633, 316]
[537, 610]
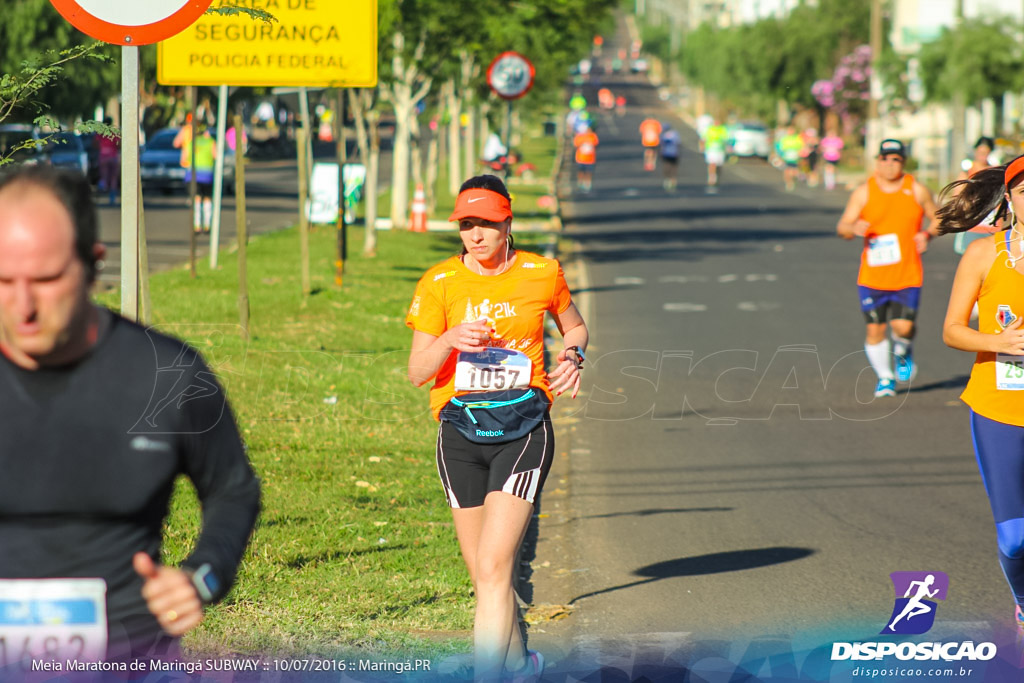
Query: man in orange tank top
[887, 212]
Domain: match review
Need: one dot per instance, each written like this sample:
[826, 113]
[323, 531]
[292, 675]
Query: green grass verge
[354, 550]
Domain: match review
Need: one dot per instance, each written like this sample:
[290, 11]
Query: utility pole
[957, 148]
[874, 127]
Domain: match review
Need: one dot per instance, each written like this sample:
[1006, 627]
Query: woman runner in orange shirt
[478, 332]
[991, 275]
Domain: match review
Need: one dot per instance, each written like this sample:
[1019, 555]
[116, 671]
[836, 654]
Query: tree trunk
[358, 103]
[482, 113]
[361, 102]
[454, 113]
[372, 173]
[433, 158]
[408, 87]
[470, 148]
[400, 161]
[415, 148]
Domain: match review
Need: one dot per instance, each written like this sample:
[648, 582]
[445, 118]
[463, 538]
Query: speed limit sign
[131, 22]
[510, 75]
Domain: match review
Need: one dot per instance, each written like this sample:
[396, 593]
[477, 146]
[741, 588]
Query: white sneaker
[531, 670]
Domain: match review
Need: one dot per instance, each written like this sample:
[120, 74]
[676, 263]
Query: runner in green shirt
[713, 145]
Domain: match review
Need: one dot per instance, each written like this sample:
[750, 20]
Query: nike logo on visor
[474, 199]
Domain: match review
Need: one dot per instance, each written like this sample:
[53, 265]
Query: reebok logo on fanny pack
[490, 432]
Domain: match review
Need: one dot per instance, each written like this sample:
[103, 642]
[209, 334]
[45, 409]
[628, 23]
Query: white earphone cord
[1011, 260]
[504, 267]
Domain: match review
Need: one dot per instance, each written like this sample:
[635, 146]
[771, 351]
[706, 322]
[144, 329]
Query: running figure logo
[914, 612]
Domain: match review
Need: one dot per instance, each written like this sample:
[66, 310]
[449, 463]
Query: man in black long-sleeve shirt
[98, 416]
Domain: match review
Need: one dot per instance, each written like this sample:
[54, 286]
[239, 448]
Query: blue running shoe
[885, 387]
[906, 369]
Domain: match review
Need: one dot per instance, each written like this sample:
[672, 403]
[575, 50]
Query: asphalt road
[727, 476]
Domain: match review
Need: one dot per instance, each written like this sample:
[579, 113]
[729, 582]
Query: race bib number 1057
[495, 369]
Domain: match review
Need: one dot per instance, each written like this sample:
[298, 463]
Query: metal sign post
[130, 23]
[130, 182]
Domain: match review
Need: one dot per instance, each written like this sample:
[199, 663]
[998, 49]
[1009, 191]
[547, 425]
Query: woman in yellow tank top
[991, 274]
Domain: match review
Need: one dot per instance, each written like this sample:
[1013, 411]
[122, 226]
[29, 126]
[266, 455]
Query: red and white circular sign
[131, 22]
[510, 75]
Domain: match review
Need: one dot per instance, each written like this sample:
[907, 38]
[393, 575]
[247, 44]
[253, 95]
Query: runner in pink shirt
[831, 149]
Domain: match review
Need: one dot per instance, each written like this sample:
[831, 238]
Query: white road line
[758, 305]
[627, 280]
[756, 277]
[684, 307]
[728, 278]
[683, 279]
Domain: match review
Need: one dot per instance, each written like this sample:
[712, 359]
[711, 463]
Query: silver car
[749, 139]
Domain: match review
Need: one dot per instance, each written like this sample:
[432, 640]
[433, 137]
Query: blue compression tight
[999, 448]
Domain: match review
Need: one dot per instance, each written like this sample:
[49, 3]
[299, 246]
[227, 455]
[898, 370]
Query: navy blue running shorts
[880, 305]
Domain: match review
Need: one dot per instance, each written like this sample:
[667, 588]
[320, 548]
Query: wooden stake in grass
[240, 227]
[303, 220]
[339, 264]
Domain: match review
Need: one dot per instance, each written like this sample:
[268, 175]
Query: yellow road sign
[312, 43]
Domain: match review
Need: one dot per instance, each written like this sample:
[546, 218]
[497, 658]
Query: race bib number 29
[52, 620]
[492, 370]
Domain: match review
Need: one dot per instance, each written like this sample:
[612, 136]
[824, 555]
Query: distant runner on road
[887, 211]
[650, 138]
[712, 143]
[831, 152]
[670, 156]
[586, 144]
[788, 147]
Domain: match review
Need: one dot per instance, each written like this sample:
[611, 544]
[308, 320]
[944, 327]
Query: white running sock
[880, 357]
[900, 345]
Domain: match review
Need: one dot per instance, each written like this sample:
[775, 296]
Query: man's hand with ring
[169, 595]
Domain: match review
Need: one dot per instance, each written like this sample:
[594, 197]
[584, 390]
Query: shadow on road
[714, 563]
[654, 511]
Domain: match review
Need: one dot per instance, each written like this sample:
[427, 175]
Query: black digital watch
[205, 581]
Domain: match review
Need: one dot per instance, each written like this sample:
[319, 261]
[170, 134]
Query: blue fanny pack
[496, 416]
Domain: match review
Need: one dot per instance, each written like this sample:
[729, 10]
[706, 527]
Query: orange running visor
[1013, 169]
[481, 203]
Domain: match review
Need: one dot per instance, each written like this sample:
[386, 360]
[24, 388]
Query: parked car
[749, 139]
[66, 150]
[14, 135]
[160, 164]
[639, 66]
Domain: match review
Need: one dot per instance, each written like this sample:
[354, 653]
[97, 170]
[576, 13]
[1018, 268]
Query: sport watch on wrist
[579, 354]
[205, 581]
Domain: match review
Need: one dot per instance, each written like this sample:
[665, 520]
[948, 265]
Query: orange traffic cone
[418, 220]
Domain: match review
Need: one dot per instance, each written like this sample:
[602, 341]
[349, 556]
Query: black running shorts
[469, 471]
